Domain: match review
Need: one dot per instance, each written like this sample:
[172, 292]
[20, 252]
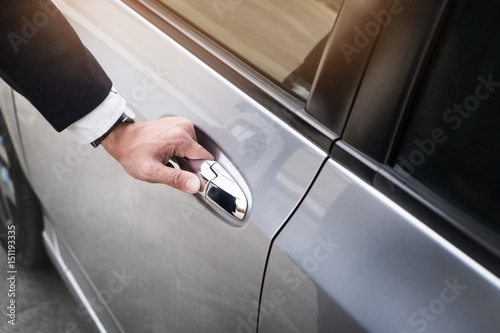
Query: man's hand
[144, 148]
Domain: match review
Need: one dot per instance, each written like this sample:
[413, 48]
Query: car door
[399, 232]
[147, 258]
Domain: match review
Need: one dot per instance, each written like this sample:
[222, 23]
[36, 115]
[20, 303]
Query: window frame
[342, 69]
[373, 129]
[274, 98]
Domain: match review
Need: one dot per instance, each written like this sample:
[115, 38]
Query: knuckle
[175, 179]
[186, 124]
[177, 132]
[149, 171]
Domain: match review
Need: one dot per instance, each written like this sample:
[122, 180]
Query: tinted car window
[282, 39]
[451, 144]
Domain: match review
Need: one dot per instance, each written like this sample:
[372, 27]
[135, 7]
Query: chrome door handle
[218, 187]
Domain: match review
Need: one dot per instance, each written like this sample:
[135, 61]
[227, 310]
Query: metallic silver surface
[9, 114]
[43, 303]
[218, 187]
[184, 266]
[225, 194]
[147, 258]
[350, 260]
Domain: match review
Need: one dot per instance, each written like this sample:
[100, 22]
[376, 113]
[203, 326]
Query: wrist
[124, 119]
[114, 137]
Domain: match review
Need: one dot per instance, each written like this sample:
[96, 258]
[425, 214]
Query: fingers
[185, 143]
[143, 149]
[194, 151]
[190, 149]
[179, 179]
[197, 152]
[181, 123]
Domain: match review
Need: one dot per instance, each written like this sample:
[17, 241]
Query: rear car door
[147, 258]
[399, 232]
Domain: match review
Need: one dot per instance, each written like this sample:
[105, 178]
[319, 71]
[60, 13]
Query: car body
[357, 220]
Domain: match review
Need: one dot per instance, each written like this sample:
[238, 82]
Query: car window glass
[282, 39]
[451, 144]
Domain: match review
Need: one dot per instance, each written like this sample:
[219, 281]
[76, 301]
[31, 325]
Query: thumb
[180, 179]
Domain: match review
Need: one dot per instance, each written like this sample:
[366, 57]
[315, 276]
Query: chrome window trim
[281, 103]
[223, 55]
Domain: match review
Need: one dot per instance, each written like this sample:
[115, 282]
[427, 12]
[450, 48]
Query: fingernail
[193, 185]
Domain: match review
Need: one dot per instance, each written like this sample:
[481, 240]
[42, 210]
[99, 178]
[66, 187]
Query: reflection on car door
[149, 258]
[399, 233]
[370, 267]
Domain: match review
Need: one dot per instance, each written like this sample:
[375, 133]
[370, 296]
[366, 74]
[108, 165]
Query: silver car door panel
[78, 283]
[9, 114]
[182, 268]
[350, 260]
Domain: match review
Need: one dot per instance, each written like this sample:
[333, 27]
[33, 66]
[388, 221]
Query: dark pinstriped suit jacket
[43, 59]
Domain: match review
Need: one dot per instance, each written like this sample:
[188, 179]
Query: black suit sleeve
[43, 59]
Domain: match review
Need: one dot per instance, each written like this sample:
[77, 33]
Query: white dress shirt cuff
[92, 126]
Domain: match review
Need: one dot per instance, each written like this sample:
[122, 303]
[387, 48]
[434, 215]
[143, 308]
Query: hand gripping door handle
[218, 188]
